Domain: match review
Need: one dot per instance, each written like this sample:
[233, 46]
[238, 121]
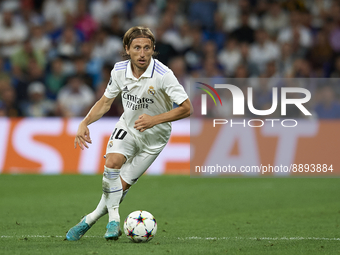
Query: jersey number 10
[120, 134]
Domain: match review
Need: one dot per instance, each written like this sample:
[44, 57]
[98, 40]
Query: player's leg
[123, 145]
[126, 188]
[132, 170]
[76, 232]
[112, 194]
[112, 185]
[129, 173]
[101, 209]
[113, 191]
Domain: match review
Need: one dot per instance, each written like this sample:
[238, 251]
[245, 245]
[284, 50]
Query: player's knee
[115, 164]
[114, 161]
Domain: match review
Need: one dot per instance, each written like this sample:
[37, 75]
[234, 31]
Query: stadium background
[51, 48]
[56, 57]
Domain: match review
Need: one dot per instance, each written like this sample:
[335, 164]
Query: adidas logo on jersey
[125, 89]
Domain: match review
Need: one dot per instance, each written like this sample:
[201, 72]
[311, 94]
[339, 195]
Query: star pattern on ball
[140, 219]
[148, 234]
[131, 233]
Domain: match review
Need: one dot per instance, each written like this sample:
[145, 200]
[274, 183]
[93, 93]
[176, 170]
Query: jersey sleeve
[173, 89]
[112, 88]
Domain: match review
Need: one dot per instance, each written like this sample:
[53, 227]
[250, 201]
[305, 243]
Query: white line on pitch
[259, 238]
[40, 236]
[203, 238]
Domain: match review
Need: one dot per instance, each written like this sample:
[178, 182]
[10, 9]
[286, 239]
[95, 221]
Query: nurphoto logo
[238, 104]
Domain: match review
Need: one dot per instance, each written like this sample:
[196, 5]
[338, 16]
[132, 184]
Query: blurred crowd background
[56, 55]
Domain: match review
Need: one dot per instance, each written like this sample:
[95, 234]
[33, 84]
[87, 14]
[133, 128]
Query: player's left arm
[146, 121]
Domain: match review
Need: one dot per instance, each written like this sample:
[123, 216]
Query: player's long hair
[137, 32]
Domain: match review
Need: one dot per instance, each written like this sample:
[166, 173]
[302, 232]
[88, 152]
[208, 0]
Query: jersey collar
[148, 72]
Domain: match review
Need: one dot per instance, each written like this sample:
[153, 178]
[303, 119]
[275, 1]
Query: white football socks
[112, 191]
[100, 211]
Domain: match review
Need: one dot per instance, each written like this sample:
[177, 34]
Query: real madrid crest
[151, 91]
[110, 144]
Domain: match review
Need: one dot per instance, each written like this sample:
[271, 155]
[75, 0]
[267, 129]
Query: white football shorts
[137, 161]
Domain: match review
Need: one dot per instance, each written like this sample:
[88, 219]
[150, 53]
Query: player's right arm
[96, 112]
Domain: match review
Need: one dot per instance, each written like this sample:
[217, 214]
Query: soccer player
[148, 89]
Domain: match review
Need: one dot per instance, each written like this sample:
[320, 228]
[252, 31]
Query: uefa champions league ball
[140, 226]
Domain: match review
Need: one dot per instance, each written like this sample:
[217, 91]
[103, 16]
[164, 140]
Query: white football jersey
[153, 93]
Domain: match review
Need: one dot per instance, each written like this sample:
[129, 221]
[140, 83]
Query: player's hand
[82, 137]
[144, 122]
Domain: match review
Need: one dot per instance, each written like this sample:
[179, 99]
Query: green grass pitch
[194, 215]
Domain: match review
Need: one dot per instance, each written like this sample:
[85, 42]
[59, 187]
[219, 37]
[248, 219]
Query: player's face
[140, 51]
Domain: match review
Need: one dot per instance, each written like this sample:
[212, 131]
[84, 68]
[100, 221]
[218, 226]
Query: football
[140, 226]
